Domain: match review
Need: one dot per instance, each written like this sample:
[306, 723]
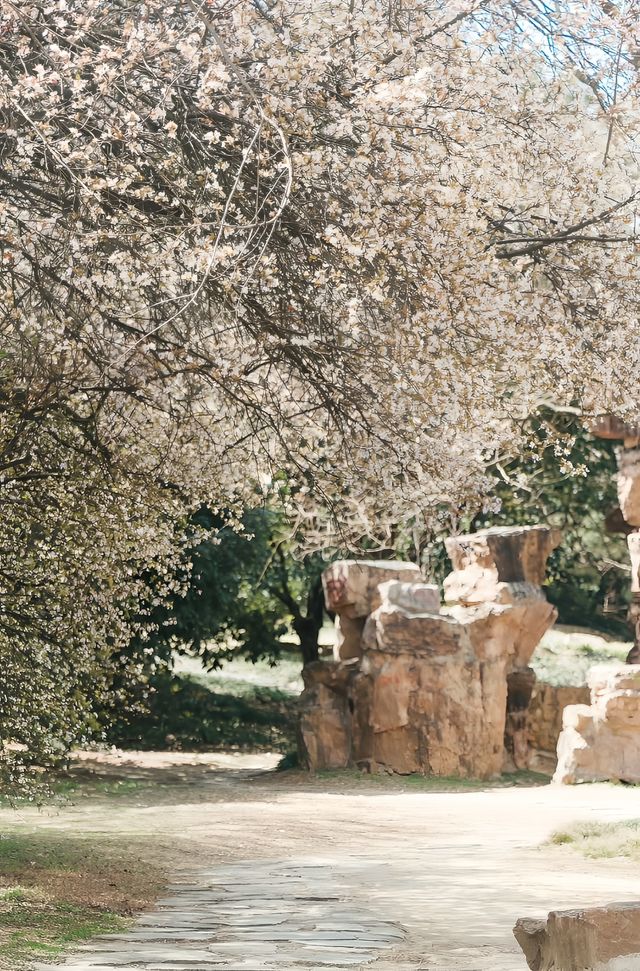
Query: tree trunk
[308, 627]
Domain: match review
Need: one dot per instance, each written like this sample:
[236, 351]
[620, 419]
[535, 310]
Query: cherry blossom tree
[353, 242]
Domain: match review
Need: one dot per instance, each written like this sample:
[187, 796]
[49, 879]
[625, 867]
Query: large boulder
[506, 565]
[351, 586]
[351, 593]
[601, 741]
[593, 939]
[438, 688]
[498, 554]
[546, 709]
[324, 722]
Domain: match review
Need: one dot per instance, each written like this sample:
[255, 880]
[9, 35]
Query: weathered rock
[351, 586]
[611, 427]
[628, 482]
[426, 691]
[324, 723]
[438, 690]
[594, 939]
[516, 734]
[601, 741]
[500, 554]
[414, 597]
[348, 642]
[351, 592]
[546, 709]
[506, 565]
[633, 542]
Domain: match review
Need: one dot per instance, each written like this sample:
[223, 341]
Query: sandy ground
[453, 870]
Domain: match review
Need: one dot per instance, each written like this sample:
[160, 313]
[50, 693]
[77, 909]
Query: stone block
[546, 710]
[601, 741]
[351, 586]
[633, 542]
[591, 939]
[324, 722]
[510, 553]
[438, 683]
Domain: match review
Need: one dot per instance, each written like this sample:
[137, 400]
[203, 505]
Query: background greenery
[252, 594]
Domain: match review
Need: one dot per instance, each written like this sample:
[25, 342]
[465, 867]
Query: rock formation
[626, 519]
[544, 721]
[351, 593]
[324, 723]
[414, 689]
[594, 939]
[438, 687]
[601, 741]
[506, 565]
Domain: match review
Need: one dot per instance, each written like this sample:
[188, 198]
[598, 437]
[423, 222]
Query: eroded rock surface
[351, 592]
[546, 709]
[438, 690]
[506, 565]
[503, 554]
[415, 689]
[594, 939]
[324, 723]
[601, 741]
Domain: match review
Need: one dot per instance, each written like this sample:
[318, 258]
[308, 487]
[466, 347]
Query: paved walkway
[249, 917]
[360, 879]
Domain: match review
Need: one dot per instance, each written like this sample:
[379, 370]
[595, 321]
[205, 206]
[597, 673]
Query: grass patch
[59, 889]
[194, 713]
[602, 841]
[62, 790]
[45, 930]
[348, 778]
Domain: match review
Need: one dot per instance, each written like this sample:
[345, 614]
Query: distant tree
[248, 587]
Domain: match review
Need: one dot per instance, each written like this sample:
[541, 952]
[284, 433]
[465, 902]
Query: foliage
[247, 588]
[567, 479]
[353, 245]
[564, 478]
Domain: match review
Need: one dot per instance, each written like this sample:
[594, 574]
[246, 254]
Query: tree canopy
[353, 244]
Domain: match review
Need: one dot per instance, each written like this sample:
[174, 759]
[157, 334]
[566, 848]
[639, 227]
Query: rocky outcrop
[499, 554]
[415, 689]
[506, 565]
[351, 593]
[546, 708]
[324, 723]
[594, 939]
[438, 688]
[601, 741]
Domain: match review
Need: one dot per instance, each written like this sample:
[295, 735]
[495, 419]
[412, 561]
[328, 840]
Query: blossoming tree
[355, 240]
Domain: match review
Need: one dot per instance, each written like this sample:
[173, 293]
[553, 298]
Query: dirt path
[288, 873]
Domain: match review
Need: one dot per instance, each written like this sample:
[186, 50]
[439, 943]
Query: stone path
[247, 917]
[294, 876]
